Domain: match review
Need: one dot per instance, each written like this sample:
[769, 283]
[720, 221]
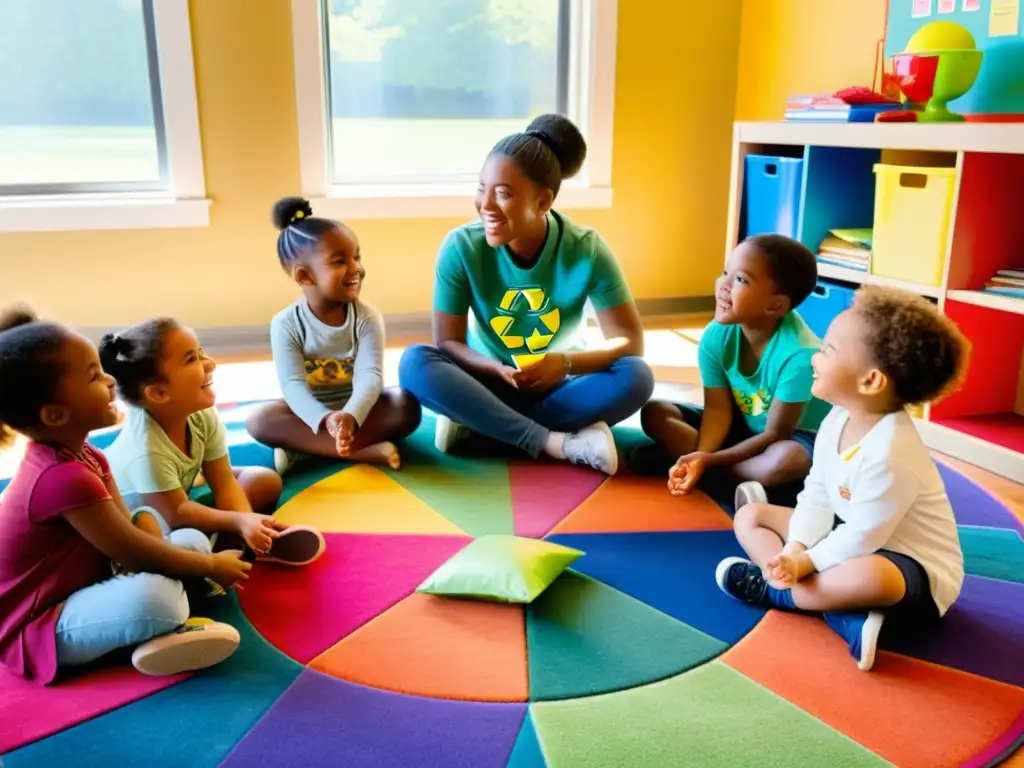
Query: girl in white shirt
[873, 537]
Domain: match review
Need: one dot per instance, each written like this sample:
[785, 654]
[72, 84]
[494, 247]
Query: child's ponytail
[29, 368]
[132, 357]
[300, 229]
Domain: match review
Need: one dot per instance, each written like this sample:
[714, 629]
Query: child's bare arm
[105, 527]
[783, 419]
[181, 512]
[716, 421]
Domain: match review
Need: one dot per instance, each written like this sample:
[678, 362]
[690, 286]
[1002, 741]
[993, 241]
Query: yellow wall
[674, 109]
[803, 46]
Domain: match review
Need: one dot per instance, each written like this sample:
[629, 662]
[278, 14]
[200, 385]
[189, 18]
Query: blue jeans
[490, 407]
[125, 610]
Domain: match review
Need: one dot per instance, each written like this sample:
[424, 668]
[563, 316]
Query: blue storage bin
[824, 304]
[771, 197]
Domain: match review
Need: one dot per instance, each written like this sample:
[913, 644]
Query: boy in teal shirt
[759, 419]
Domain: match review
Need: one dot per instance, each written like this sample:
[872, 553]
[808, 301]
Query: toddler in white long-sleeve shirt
[873, 538]
[328, 349]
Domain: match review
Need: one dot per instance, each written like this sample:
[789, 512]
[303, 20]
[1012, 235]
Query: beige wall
[676, 91]
[803, 46]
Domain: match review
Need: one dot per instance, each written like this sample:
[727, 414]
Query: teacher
[509, 295]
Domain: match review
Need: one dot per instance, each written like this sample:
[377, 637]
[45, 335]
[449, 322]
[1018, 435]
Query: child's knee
[408, 411]
[748, 517]
[160, 600]
[260, 423]
[190, 538]
[654, 415]
[262, 487]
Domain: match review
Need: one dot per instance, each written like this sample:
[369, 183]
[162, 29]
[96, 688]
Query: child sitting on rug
[173, 434]
[873, 535]
[63, 523]
[759, 418]
[328, 348]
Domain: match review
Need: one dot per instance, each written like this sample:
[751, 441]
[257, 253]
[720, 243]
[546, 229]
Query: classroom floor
[632, 658]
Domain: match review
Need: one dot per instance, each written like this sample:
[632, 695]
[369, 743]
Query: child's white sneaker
[750, 492]
[284, 460]
[196, 644]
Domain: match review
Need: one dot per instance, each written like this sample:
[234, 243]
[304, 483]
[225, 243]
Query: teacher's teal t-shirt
[519, 314]
[784, 372]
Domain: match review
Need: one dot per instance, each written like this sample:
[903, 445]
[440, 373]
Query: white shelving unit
[987, 217]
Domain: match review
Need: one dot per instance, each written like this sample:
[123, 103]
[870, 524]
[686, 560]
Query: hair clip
[296, 216]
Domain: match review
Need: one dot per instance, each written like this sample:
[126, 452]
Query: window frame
[108, 206]
[592, 39]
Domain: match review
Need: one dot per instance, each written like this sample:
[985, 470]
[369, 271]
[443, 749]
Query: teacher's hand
[544, 375]
[506, 374]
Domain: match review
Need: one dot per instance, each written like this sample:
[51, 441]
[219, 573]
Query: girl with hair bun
[509, 296]
[328, 349]
[173, 436]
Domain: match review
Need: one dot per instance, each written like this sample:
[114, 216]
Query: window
[400, 100]
[89, 93]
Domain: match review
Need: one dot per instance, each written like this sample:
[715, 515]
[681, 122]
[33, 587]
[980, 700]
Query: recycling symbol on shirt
[526, 324]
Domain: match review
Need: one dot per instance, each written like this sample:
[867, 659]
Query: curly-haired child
[873, 537]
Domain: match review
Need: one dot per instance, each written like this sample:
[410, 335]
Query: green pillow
[503, 569]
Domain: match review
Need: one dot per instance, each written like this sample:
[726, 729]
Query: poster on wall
[972, 5]
[947, 6]
[1004, 19]
[922, 9]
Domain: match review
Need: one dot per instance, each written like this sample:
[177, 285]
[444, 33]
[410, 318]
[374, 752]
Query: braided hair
[300, 229]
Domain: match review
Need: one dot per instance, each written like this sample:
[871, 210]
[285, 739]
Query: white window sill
[96, 212]
[432, 201]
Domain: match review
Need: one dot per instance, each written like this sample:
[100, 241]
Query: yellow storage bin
[913, 206]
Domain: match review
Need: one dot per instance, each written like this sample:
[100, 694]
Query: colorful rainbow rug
[632, 658]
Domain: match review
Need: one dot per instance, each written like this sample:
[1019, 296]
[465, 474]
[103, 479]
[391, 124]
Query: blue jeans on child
[490, 407]
[125, 610]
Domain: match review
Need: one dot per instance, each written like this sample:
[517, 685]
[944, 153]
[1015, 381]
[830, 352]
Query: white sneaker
[869, 640]
[593, 447]
[196, 644]
[750, 492]
[285, 460]
[447, 433]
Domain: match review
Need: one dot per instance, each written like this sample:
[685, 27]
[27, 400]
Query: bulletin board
[987, 20]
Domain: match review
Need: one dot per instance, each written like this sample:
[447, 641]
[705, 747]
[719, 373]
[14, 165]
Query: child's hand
[228, 569]
[685, 475]
[258, 531]
[342, 427]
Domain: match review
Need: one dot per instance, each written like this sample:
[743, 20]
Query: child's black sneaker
[860, 630]
[741, 579]
[296, 545]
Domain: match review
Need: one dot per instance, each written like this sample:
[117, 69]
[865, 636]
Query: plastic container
[824, 304]
[771, 197]
[913, 207]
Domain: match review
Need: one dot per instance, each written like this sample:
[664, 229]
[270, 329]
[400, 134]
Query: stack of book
[1007, 282]
[827, 108]
[848, 248]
